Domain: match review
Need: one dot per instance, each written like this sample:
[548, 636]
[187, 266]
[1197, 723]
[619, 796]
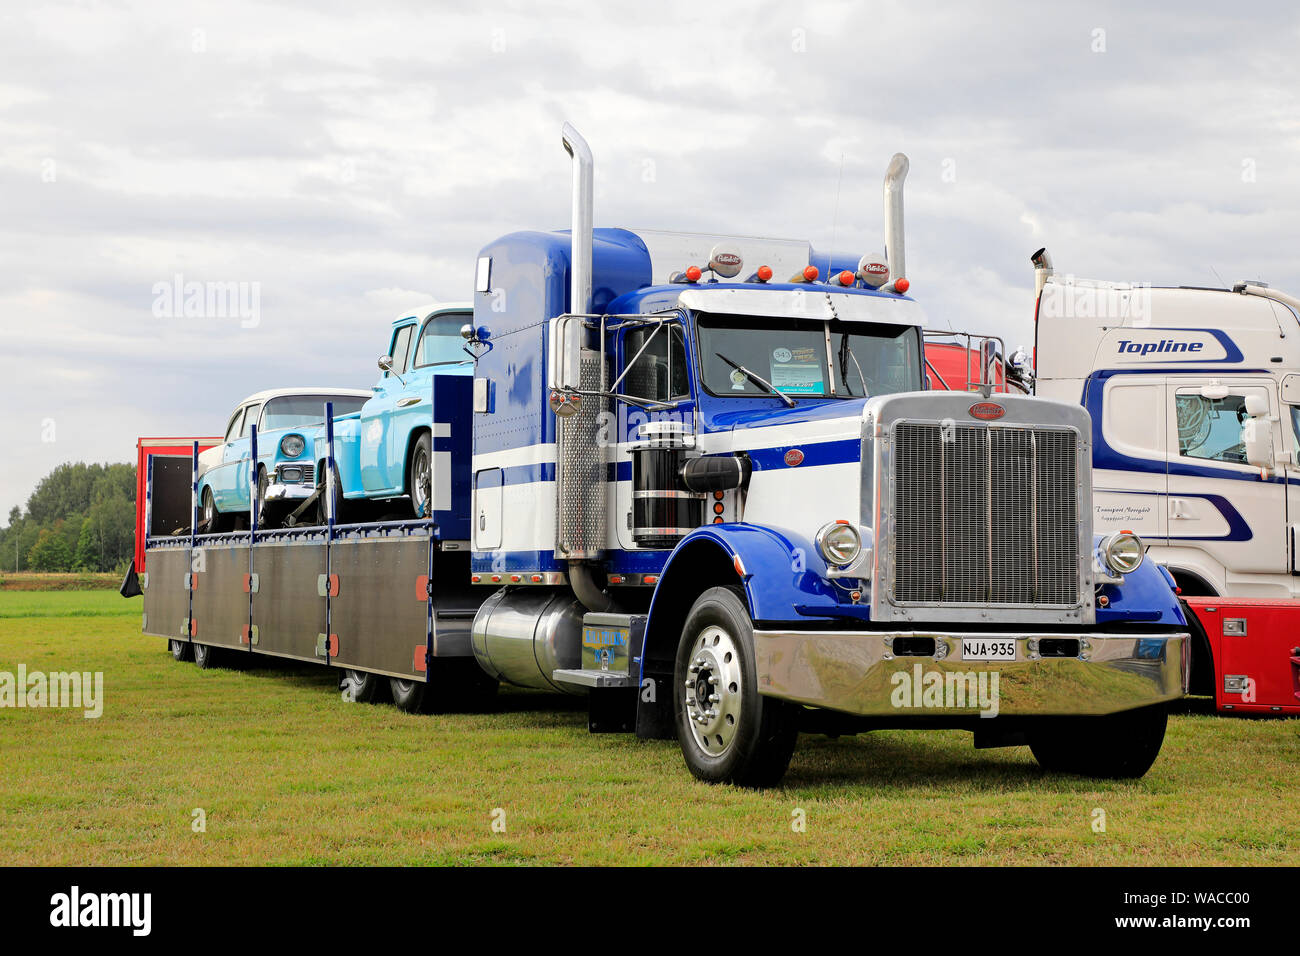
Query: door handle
[408, 402]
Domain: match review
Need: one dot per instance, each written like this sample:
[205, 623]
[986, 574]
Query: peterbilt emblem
[873, 270]
[725, 263]
[794, 457]
[987, 411]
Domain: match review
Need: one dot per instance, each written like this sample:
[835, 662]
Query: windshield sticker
[738, 380]
[798, 371]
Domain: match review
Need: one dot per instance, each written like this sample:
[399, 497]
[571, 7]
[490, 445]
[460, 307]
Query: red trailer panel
[162, 447]
[1256, 648]
[955, 368]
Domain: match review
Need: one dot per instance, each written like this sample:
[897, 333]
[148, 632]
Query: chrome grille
[985, 515]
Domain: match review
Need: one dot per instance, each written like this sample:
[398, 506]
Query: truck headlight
[839, 543]
[292, 445]
[1123, 552]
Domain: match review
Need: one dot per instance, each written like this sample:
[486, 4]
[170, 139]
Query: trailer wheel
[1115, 746]
[728, 732]
[409, 695]
[204, 656]
[421, 476]
[181, 650]
[362, 687]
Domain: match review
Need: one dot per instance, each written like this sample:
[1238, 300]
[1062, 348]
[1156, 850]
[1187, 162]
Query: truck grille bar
[985, 515]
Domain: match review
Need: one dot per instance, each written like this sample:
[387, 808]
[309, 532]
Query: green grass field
[286, 772]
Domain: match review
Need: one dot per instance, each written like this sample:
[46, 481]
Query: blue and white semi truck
[722, 507]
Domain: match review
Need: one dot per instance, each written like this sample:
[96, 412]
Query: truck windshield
[294, 411]
[864, 359]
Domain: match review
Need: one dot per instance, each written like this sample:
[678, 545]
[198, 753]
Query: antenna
[1219, 277]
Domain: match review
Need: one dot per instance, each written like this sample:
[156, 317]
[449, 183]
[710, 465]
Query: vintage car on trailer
[385, 450]
[285, 419]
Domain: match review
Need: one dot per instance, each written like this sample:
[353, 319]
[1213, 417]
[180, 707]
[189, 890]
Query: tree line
[81, 517]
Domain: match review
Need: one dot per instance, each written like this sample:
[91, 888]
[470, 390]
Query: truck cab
[1195, 402]
[699, 480]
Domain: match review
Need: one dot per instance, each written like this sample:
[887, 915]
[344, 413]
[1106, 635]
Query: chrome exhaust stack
[894, 254]
[582, 221]
[1042, 261]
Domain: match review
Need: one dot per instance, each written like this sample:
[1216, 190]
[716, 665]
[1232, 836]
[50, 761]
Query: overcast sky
[347, 160]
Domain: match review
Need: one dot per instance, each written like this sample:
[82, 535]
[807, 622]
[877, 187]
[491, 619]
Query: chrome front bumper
[855, 672]
[279, 491]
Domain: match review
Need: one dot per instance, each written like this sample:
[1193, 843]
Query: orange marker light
[764, 273]
[810, 273]
[738, 565]
[693, 273]
[902, 285]
[650, 579]
[846, 278]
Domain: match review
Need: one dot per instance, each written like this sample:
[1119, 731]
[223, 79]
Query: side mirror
[1291, 390]
[385, 363]
[1256, 436]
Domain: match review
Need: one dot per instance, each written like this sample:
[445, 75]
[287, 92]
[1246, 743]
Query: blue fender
[784, 575]
[1147, 596]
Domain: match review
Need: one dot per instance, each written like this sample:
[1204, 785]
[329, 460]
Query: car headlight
[839, 543]
[1123, 552]
[292, 445]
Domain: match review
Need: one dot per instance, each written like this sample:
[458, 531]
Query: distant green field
[286, 772]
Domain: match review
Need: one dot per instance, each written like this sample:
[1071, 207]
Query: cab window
[659, 373]
[250, 419]
[232, 429]
[401, 349]
[441, 342]
[1211, 428]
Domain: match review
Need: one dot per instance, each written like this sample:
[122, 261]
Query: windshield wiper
[846, 353]
[758, 380]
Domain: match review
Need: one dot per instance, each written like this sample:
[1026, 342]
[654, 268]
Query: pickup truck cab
[384, 450]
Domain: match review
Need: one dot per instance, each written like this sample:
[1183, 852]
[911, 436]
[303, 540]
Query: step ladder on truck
[720, 505]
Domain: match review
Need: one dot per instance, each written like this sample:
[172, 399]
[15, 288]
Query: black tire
[214, 522]
[205, 656]
[322, 516]
[363, 688]
[419, 480]
[745, 738]
[263, 482]
[454, 685]
[1116, 746]
[181, 650]
[409, 695]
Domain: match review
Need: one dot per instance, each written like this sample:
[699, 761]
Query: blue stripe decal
[1104, 457]
[824, 453]
[1238, 529]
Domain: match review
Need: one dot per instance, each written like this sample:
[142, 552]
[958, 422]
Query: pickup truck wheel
[181, 650]
[1115, 746]
[728, 732]
[421, 480]
[322, 516]
[363, 688]
[205, 656]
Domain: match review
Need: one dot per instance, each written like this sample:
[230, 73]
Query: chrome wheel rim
[422, 483]
[713, 691]
[209, 506]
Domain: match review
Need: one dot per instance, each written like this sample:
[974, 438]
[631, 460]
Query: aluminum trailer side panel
[166, 598]
[288, 609]
[218, 601]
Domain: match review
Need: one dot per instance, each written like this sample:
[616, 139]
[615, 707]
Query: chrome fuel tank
[523, 635]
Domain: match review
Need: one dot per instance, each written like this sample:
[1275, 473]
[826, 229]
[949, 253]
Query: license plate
[988, 649]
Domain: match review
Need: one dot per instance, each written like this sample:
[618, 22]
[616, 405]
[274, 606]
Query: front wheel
[1115, 746]
[728, 732]
[181, 650]
[421, 476]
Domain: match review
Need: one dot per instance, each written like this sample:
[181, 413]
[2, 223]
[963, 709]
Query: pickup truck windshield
[791, 355]
[293, 411]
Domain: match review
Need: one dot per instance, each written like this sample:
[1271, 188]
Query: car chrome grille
[985, 515]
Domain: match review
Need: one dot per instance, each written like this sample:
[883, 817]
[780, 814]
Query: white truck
[1195, 401]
